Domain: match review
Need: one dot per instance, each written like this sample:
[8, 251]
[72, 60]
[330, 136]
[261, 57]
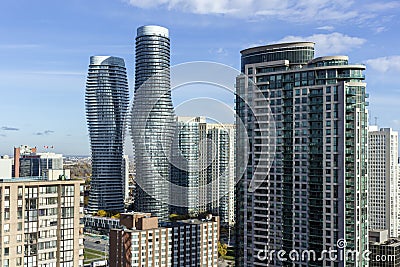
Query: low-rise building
[144, 242]
[99, 225]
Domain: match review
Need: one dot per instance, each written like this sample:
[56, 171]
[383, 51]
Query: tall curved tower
[107, 99]
[152, 120]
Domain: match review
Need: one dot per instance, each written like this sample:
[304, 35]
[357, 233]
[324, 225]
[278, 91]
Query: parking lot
[96, 248]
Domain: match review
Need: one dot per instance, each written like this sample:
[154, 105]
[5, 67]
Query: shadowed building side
[107, 99]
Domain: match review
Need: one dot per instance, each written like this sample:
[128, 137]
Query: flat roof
[35, 179]
[275, 46]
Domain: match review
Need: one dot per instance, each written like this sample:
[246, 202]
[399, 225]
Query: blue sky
[45, 48]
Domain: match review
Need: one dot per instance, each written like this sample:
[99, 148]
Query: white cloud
[300, 10]
[47, 132]
[385, 64]
[380, 29]
[328, 44]
[326, 28]
[379, 6]
[219, 51]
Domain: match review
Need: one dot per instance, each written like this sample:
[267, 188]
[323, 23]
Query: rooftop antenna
[376, 121]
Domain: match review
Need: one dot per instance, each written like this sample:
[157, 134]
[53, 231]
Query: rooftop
[23, 179]
[33, 179]
[273, 47]
[392, 242]
[152, 30]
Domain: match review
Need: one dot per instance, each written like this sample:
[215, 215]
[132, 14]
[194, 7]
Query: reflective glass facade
[152, 121]
[203, 165]
[316, 190]
[296, 53]
[107, 99]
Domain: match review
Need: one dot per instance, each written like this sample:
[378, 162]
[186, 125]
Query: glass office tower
[107, 99]
[152, 126]
[315, 192]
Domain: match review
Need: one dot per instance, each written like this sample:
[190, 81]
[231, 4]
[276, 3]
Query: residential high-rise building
[221, 171]
[144, 242]
[203, 165]
[40, 222]
[383, 192]
[398, 188]
[152, 126]
[187, 156]
[107, 99]
[315, 192]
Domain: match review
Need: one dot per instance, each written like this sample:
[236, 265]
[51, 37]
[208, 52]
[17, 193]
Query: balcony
[351, 76]
[350, 101]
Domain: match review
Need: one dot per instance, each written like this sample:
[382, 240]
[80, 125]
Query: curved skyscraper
[107, 99]
[152, 120]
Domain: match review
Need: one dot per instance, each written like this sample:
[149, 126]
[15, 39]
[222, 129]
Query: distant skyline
[45, 50]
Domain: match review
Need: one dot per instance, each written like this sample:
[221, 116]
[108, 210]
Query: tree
[85, 200]
[177, 217]
[102, 213]
[222, 249]
[116, 216]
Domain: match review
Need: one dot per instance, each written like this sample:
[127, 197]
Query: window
[6, 213]
[19, 213]
[20, 191]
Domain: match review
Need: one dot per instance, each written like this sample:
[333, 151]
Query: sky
[45, 48]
